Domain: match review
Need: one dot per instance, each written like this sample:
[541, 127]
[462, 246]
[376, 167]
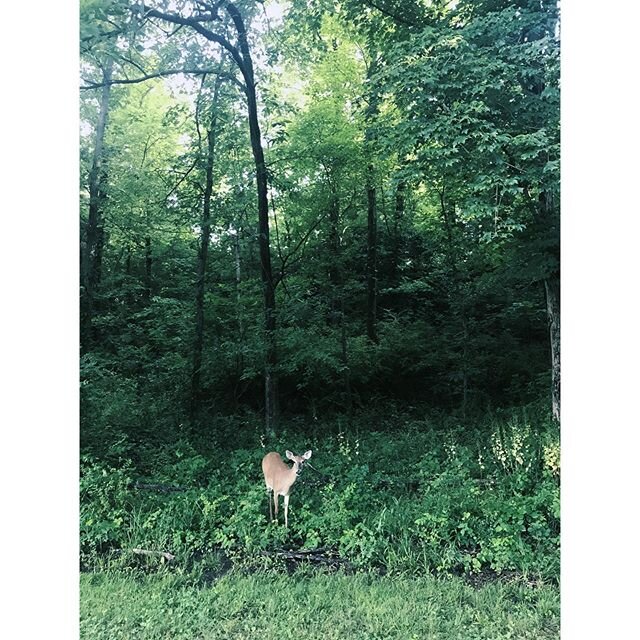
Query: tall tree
[205, 238]
[372, 214]
[476, 86]
[208, 13]
[91, 267]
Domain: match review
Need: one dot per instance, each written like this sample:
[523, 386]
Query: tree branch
[394, 16]
[169, 72]
[285, 259]
[133, 63]
[146, 552]
[162, 488]
[177, 184]
[195, 24]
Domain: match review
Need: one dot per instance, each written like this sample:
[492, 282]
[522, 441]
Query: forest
[327, 226]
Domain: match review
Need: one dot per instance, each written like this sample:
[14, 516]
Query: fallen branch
[313, 555]
[146, 552]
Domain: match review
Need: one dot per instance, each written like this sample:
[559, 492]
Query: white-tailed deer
[279, 478]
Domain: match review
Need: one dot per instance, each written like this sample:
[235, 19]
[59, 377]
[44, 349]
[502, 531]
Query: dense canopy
[312, 207]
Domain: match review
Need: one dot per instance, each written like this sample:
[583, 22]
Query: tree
[371, 112]
[91, 262]
[405, 166]
[241, 55]
[476, 87]
[203, 250]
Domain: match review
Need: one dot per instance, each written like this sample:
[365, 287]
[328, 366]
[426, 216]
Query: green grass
[270, 605]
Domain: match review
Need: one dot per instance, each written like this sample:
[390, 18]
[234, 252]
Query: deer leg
[286, 511]
[275, 502]
[269, 500]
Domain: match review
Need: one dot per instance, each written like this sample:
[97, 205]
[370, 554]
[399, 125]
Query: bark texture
[552, 292]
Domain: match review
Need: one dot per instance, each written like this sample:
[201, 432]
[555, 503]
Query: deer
[279, 478]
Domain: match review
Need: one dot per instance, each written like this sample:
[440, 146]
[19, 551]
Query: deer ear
[307, 455]
[289, 454]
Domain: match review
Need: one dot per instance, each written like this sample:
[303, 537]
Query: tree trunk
[238, 390]
[448, 226]
[242, 57]
[238, 262]
[398, 215]
[201, 272]
[344, 356]
[550, 225]
[148, 267]
[372, 217]
[336, 299]
[465, 365]
[270, 376]
[372, 257]
[91, 263]
[458, 297]
[334, 253]
[203, 252]
[552, 292]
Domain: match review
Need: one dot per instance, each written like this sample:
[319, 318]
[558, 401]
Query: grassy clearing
[312, 605]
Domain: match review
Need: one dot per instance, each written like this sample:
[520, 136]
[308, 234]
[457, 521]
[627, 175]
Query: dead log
[312, 555]
[146, 552]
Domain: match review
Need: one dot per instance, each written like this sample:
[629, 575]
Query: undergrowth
[412, 497]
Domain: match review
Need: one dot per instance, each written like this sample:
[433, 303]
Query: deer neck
[292, 475]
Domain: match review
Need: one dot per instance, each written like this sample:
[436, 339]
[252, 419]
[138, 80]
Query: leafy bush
[424, 499]
[104, 507]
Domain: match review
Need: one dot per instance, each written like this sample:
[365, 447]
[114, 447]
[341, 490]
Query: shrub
[104, 507]
[429, 498]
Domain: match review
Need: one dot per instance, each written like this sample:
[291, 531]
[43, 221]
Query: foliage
[419, 501]
[104, 507]
[463, 147]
